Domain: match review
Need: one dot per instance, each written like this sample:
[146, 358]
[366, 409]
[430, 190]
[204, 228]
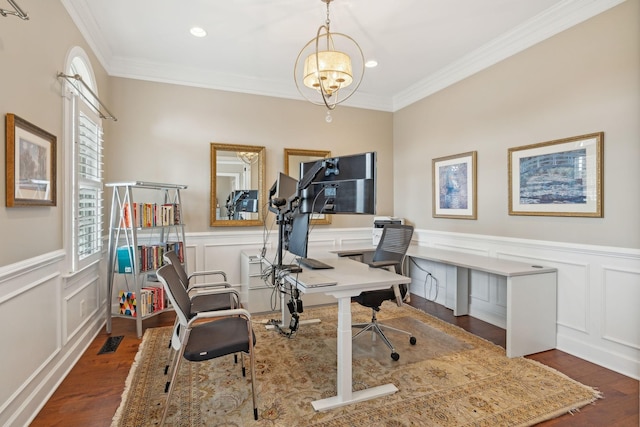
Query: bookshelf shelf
[146, 220]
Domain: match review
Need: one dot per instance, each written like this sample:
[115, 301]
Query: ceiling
[421, 46]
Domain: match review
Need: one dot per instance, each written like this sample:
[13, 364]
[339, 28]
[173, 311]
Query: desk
[352, 278]
[531, 294]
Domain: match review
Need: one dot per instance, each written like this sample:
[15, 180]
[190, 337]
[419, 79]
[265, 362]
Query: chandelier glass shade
[247, 157]
[329, 68]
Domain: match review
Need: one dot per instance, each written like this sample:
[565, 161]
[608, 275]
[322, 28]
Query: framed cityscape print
[454, 186]
[557, 178]
[30, 164]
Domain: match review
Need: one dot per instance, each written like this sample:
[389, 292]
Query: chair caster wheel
[395, 356]
[412, 340]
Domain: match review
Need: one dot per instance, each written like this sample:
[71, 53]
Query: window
[83, 153]
[88, 165]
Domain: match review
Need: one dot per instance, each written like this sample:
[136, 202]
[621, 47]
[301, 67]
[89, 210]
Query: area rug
[449, 378]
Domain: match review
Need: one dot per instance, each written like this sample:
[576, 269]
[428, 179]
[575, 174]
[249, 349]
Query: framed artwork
[557, 178]
[30, 164]
[454, 186]
[292, 159]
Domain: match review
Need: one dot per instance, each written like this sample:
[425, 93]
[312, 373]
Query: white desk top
[487, 264]
[352, 277]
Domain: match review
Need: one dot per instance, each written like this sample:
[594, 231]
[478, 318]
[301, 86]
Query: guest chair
[204, 296]
[390, 252]
[202, 300]
[207, 334]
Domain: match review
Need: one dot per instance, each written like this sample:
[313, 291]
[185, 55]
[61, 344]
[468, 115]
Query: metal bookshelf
[125, 231]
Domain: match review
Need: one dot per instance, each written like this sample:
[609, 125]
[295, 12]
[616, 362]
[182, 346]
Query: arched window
[83, 153]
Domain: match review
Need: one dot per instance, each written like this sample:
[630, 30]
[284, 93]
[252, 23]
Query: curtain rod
[78, 77]
[18, 12]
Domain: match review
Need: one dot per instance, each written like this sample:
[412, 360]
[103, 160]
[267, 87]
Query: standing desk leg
[462, 292]
[345, 394]
[531, 313]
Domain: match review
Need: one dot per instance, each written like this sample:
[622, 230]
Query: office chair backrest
[175, 291]
[393, 245]
[172, 258]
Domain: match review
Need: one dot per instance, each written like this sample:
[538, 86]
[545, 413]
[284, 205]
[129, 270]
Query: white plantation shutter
[89, 198]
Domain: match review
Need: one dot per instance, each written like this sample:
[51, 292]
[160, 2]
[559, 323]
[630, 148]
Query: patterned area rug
[449, 378]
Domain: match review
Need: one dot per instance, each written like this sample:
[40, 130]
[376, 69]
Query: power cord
[429, 281]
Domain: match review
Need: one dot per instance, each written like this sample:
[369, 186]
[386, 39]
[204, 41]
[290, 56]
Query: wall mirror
[237, 185]
[292, 159]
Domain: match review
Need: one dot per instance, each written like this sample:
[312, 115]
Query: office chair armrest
[209, 273]
[221, 285]
[380, 264]
[217, 291]
[233, 293]
[219, 313]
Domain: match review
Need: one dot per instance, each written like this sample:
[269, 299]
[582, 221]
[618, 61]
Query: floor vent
[111, 345]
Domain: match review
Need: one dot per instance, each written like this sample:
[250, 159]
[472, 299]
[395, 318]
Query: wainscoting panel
[598, 292]
[30, 333]
[621, 311]
[80, 306]
[49, 320]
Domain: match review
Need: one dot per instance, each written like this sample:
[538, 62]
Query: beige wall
[164, 131]
[584, 80]
[31, 54]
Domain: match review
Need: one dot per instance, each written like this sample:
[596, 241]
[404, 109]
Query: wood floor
[90, 394]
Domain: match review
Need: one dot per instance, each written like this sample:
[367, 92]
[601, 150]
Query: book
[125, 259]
[128, 303]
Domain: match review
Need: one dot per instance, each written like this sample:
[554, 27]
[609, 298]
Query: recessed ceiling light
[371, 63]
[198, 32]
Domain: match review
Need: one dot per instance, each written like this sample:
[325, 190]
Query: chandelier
[247, 157]
[324, 72]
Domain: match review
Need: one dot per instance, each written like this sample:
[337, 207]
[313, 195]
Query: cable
[434, 280]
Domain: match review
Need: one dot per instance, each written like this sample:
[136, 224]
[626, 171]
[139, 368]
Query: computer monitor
[241, 201]
[298, 235]
[282, 191]
[339, 185]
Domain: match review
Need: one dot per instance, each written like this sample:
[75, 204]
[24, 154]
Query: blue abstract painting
[453, 186]
[558, 178]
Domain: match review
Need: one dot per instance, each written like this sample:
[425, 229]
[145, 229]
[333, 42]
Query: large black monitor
[339, 185]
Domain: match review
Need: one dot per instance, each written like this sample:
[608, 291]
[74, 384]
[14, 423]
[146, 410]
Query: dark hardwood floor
[90, 394]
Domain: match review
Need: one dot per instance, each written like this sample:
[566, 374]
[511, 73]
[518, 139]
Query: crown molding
[550, 22]
[82, 17]
[196, 77]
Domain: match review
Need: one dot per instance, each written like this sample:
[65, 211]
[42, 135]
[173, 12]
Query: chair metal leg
[391, 328]
[377, 328]
[172, 384]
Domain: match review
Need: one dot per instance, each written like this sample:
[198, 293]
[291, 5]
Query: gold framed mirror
[292, 159]
[237, 185]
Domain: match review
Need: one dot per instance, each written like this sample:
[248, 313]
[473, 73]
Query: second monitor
[339, 185]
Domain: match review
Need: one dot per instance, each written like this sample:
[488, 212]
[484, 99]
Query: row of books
[151, 299]
[149, 256]
[150, 215]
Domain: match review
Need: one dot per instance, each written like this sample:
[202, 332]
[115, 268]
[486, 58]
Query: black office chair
[207, 335]
[390, 252]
